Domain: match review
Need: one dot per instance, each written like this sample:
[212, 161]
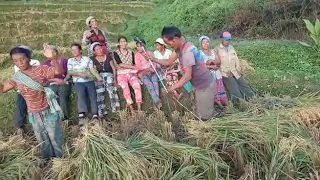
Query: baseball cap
[226, 36]
[160, 41]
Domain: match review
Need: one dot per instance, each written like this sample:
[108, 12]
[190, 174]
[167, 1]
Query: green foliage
[314, 33]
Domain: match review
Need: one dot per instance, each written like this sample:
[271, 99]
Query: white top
[84, 65]
[32, 62]
[166, 54]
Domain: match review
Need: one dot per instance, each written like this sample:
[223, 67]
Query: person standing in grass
[44, 112]
[194, 70]
[21, 111]
[127, 73]
[230, 70]
[59, 85]
[213, 64]
[147, 74]
[79, 67]
[105, 66]
[94, 34]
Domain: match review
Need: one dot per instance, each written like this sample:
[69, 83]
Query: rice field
[268, 138]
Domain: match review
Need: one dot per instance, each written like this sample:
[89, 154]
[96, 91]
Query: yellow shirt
[230, 64]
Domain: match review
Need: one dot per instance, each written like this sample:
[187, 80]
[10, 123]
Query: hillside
[274, 136]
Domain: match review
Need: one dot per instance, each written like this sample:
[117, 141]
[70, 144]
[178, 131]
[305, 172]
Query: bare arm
[183, 80]
[48, 53]
[167, 62]
[6, 87]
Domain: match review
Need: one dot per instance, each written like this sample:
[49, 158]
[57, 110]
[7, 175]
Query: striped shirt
[36, 100]
[191, 56]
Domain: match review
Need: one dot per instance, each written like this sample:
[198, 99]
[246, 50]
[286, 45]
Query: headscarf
[88, 20]
[93, 45]
[203, 38]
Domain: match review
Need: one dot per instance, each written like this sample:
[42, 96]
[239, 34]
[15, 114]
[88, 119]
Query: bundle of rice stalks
[246, 66]
[258, 146]
[130, 125]
[17, 161]
[97, 156]
[292, 157]
[308, 116]
[174, 159]
[262, 105]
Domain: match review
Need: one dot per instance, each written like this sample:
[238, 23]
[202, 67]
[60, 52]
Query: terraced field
[63, 22]
[60, 23]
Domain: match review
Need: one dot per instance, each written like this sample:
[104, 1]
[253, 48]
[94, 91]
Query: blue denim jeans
[85, 91]
[48, 130]
[20, 113]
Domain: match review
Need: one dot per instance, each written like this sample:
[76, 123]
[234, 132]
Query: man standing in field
[194, 69]
[230, 70]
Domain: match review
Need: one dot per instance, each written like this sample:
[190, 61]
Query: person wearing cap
[194, 70]
[230, 70]
[79, 67]
[94, 34]
[213, 64]
[44, 112]
[171, 73]
[127, 73]
[59, 85]
[21, 112]
[147, 73]
[106, 68]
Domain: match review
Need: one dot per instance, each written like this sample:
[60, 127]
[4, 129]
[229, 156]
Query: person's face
[98, 51]
[205, 44]
[123, 44]
[159, 47]
[94, 23]
[75, 51]
[225, 42]
[21, 61]
[139, 48]
[175, 43]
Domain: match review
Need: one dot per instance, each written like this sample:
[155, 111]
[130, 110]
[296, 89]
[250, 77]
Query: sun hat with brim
[160, 41]
[226, 36]
[93, 45]
[203, 38]
[88, 20]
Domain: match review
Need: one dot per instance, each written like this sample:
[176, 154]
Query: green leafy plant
[314, 32]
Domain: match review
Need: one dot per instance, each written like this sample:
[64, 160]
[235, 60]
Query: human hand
[88, 34]
[47, 51]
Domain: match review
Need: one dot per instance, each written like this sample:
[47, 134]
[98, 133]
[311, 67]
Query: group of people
[44, 89]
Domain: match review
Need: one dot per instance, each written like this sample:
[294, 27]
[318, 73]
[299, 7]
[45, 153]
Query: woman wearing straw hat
[94, 34]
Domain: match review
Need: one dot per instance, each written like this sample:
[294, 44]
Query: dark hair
[171, 32]
[141, 41]
[94, 47]
[19, 50]
[77, 45]
[122, 37]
